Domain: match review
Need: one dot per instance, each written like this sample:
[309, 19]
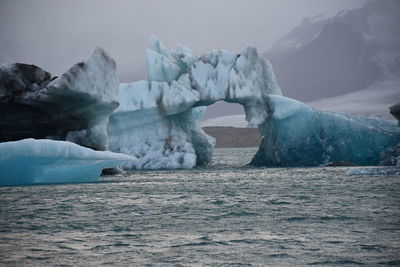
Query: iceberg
[295, 134]
[158, 119]
[74, 106]
[31, 161]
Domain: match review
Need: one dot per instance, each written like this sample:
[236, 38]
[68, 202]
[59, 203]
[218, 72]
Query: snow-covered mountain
[325, 57]
[374, 101]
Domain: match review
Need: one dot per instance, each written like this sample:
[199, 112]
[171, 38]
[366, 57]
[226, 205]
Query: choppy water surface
[225, 214]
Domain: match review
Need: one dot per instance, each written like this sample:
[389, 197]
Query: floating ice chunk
[31, 161]
[298, 135]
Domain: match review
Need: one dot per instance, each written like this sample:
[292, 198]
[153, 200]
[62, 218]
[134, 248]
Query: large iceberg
[74, 106]
[31, 161]
[157, 120]
[295, 134]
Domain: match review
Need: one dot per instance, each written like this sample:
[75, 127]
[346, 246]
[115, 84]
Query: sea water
[226, 214]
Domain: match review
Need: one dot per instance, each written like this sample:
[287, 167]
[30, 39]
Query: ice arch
[157, 120]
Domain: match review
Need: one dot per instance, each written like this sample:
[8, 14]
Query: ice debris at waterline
[157, 120]
[31, 161]
[374, 171]
[298, 135]
[73, 107]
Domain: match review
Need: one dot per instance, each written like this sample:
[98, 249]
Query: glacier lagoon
[227, 213]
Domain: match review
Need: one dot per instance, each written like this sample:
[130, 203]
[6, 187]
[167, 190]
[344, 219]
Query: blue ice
[31, 161]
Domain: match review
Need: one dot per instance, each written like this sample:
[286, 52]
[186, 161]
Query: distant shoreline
[231, 137]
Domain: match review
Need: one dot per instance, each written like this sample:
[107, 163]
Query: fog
[56, 34]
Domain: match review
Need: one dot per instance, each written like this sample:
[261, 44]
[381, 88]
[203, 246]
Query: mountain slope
[325, 57]
[373, 101]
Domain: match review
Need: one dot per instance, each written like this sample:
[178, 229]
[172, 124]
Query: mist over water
[224, 214]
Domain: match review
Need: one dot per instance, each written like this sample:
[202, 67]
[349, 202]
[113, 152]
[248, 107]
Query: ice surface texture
[298, 135]
[74, 106]
[32, 161]
[157, 120]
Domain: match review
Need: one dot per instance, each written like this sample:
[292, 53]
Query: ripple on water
[225, 214]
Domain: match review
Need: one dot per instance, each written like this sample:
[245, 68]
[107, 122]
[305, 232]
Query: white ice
[157, 120]
[95, 83]
[160, 68]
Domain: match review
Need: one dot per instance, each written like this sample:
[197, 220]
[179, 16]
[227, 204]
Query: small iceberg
[31, 161]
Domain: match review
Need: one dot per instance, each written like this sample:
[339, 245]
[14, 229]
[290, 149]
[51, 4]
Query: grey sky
[56, 34]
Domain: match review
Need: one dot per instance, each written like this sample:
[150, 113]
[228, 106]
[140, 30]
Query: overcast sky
[56, 34]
